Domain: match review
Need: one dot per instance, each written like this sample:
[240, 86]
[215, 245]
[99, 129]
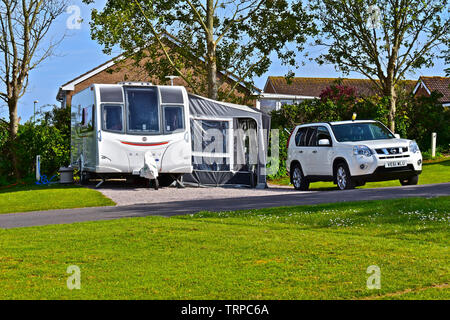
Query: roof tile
[440, 84]
[313, 87]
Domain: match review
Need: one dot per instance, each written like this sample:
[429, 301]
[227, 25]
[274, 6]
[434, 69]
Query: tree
[23, 26]
[427, 115]
[446, 57]
[382, 40]
[197, 39]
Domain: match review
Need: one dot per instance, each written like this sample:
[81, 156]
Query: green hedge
[49, 137]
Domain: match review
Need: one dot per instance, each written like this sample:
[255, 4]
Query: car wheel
[410, 181]
[298, 179]
[343, 177]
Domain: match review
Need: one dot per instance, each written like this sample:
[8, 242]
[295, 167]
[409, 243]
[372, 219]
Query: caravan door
[176, 127]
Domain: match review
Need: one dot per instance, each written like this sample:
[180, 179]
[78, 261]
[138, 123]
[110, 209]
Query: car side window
[311, 137]
[322, 133]
[300, 137]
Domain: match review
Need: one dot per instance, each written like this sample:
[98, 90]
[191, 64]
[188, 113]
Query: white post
[38, 168]
[433, 144]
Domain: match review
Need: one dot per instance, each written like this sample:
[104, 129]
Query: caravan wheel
[166, 180]
[84, 177]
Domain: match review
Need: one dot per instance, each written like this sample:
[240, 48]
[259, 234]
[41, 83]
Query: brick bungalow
[426, 85]
[278, 91]
[121, 70]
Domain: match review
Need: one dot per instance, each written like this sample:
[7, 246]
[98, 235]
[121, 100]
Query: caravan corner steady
[131, 129]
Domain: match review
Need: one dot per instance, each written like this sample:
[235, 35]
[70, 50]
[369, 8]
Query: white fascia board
[266, 96]
[71, 85]
[418, 86]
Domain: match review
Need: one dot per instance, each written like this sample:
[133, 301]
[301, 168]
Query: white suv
[350, 153]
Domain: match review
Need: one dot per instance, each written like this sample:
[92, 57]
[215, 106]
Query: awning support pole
[179, 182]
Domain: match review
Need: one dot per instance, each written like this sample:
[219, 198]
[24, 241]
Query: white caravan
[131, 129]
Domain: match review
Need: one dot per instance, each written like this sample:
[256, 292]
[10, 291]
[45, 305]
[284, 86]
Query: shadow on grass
[32, 187]
[91, 185]
[442, 163]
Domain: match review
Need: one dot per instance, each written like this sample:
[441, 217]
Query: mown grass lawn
[434, 172]
[35, 198]
[306, 252]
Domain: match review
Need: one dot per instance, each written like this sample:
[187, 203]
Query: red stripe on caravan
[145, 144]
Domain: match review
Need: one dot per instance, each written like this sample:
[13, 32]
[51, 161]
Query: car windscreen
[142, 110]
[361, 132]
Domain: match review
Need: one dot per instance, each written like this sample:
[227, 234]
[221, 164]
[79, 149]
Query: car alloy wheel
[297, 178]
[342, 178]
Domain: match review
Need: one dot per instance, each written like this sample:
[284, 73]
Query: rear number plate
[394, 164]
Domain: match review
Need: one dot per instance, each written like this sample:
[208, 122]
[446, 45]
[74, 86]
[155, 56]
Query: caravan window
[112, 118]
[87, 118]
[173, 119]
[143, 110]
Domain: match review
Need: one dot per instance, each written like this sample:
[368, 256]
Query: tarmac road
[39, 218]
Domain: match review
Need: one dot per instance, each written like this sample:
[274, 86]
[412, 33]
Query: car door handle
[314, 151]
[300, 151]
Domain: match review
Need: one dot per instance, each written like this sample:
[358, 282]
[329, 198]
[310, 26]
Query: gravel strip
[126, 195]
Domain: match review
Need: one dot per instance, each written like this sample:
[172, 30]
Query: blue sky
[78, 54]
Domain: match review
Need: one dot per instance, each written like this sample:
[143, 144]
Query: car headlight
[362, 150]
[413, 147]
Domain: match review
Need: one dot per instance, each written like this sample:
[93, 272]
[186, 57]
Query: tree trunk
[392, 108]
[389, 91]
[13, 129]
[211, 54]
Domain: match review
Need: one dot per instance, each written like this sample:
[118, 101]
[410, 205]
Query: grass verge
[305, 252]
[35, 198]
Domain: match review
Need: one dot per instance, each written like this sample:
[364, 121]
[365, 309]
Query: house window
[286, 102]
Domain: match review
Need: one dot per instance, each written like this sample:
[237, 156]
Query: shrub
[425, 116]
[50, 138]
[427, 155]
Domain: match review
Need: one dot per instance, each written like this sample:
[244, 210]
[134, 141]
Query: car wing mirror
[324, 142]
[397, 136]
